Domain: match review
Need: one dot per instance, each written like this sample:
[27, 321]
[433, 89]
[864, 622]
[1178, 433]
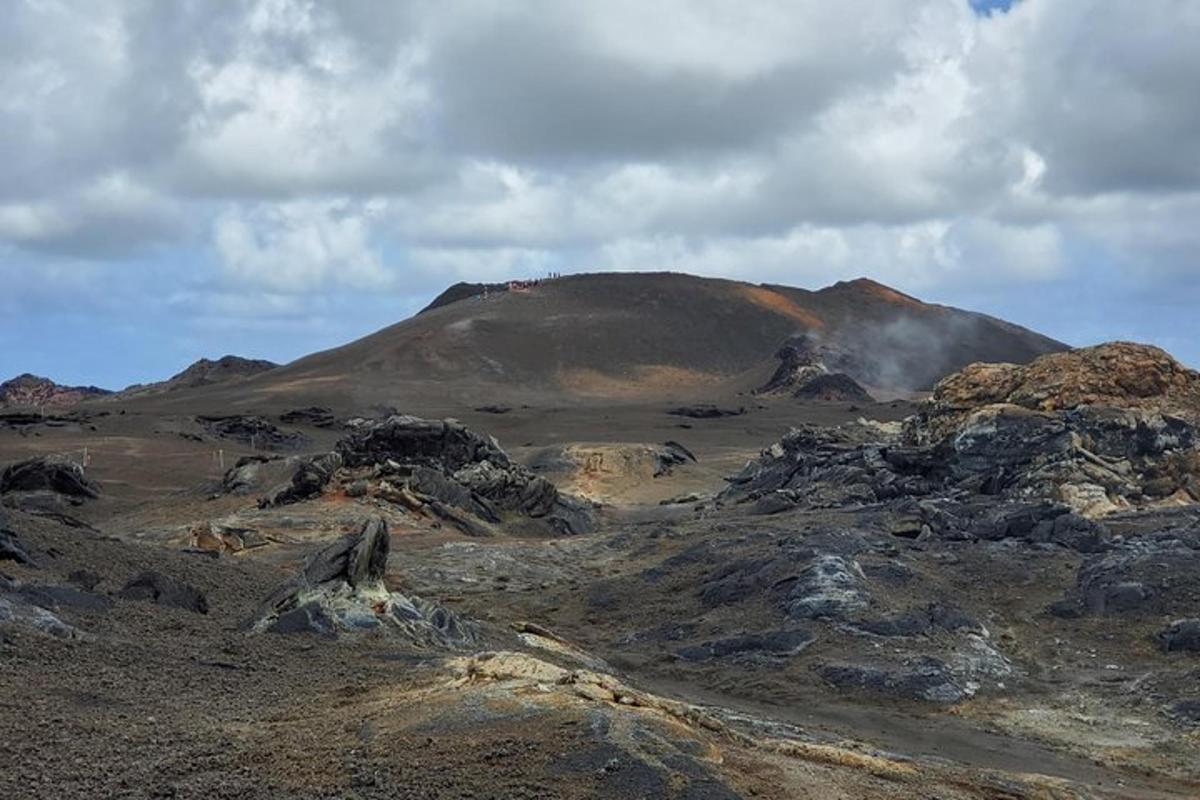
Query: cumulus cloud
[1101, 92]
[626, 80]
[301, 246]
[111, 216]
[928, 255]
[291, 105]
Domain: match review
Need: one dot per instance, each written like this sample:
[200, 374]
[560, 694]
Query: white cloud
[28, 222]
[300, 246]
[273, 121]
[796, 141]
[444, 265]
[920, 255]
[83, 222]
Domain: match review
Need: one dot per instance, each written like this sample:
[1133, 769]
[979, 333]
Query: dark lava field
[636, 536]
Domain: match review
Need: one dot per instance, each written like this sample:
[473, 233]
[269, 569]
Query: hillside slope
[646, 335]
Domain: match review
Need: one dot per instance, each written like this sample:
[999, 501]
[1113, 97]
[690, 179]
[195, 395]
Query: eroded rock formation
[1117, 375]
[1092, 431]
[341, 589]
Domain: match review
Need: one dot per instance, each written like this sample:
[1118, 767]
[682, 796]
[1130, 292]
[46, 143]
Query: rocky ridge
[204, 372]
[34, 390]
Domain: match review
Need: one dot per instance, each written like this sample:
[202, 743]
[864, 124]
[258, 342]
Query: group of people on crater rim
[521, 285]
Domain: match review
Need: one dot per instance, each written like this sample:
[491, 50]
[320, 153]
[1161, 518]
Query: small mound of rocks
[316, 416]
[805, 374]
[438, 467]
[252, 430]
[833, 387]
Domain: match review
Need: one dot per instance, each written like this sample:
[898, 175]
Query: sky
[274, 177]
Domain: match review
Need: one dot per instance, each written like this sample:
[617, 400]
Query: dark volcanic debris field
[991, 593]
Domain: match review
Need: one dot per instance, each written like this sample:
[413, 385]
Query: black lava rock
[53, 597]
[772, 643]
[316, 416]
[1181, 636]
[51, 474]
[164, 591]
[706, 412]
[10, 548]
[254, 431]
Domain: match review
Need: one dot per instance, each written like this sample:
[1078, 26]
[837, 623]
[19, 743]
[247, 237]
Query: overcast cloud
[269, 177]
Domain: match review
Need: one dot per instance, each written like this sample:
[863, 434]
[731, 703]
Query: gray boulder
[1181, 636]
[31, 607]
[17, 611]
[921, 622]
[1097, 458]
[830, 587]
[435, 484]
[1080, 534]
[670, 455]
[10, 548]
[927, 679]
[248, 473]
[309, 479]
[52, 597]
[772, 644]
[1186, 712]
[49, 474]
[830, 467]
[163, 590]
[1155, 573]
[433, 466]
[1087, 460]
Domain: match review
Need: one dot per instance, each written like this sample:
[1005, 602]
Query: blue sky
[990, 6]
[276, 177]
